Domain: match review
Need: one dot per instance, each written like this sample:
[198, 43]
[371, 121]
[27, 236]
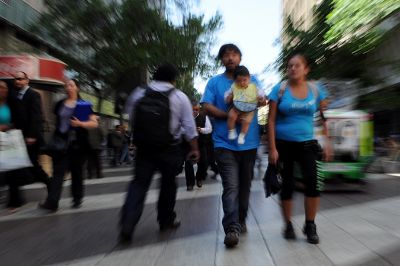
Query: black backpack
[152, 119]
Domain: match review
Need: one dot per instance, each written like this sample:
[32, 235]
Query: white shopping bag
[13, 153]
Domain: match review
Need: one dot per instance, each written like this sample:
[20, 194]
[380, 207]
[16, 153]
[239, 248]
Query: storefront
[46, 76]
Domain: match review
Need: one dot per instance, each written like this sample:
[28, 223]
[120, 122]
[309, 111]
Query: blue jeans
[236, 170]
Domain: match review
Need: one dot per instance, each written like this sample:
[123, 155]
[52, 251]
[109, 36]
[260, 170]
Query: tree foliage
[324, 60]
[355, 21]
[342, 33]
[112, 44]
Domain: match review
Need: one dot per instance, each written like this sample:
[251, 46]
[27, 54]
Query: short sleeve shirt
[295, 117]
[214, 94]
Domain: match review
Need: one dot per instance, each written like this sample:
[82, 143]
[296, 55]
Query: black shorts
[305, 155]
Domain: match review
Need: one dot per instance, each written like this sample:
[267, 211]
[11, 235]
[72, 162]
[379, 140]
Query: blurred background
[113, 46]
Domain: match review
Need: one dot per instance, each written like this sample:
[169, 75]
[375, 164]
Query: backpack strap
[149, 90]
[282, 89]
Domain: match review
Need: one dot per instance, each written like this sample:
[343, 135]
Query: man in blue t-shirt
[235, 161]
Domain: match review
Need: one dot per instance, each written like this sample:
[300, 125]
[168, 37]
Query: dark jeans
[202, 166]
[73, 161]
[236, 170]
[117, 156]
[169, 163]
[21, 177]
[211, 158]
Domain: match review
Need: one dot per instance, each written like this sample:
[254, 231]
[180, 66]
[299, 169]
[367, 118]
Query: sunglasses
[19, 78]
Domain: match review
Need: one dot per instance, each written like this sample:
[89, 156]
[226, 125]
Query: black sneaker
[47, 207]
[199, 183]
[124, 238]
[244, 227]
[189, 188]
[289, 233]
[175, 224]
[231, 239]
[310, 230]
[76, 205]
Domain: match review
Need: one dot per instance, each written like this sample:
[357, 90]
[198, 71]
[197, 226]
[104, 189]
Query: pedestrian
[125, 156]
[96, 137]
[26, 104]
[235, 161]
[116, 142]
[5, 124]
[73, 117]
[243, 97]
[204, 129]
[160, 114]
[5, 111]
[291, 139]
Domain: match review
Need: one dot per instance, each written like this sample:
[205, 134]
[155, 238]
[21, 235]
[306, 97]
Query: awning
[41, 70]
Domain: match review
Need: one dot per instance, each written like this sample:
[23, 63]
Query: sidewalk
[356, 228]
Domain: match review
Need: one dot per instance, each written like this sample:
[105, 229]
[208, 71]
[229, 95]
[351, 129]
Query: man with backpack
[160, 115]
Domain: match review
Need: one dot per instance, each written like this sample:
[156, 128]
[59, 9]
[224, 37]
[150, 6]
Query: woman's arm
[91, 123]
[273, 153]
[328, 145]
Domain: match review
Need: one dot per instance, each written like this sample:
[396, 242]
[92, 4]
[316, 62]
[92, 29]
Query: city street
[355, 227]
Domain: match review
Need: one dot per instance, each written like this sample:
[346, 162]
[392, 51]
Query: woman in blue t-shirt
[291, 139]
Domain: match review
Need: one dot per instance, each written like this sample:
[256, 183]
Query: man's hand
[30, 141]
[229, 98]
[261, 101]
[193, 156]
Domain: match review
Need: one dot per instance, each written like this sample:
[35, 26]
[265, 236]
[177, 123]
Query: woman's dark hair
[304, 58]
[166, 72]
[241, 71]
[228, 47]
[78, 85]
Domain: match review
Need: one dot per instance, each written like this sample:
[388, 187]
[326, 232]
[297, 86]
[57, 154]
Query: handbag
[57, 145]
[272, 180]
[13, 152]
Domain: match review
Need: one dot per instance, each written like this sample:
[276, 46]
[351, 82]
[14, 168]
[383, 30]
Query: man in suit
[28, 117]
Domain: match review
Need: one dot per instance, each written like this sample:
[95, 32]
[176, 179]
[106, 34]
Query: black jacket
[27, 113]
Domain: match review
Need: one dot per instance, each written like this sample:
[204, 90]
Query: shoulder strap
[312, 84]
[282, 89]
[148, 90]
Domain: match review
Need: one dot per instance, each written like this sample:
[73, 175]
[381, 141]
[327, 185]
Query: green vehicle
[351, 135]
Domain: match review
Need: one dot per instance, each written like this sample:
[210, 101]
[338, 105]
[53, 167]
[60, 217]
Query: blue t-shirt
[214, 94]
[295, 117]
[5, 115]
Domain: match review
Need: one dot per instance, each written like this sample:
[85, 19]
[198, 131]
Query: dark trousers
[93, 164]
[202, 166]
[72, 161]
[169, 163]
[236, 170]
[116, 156]
[25, 176]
